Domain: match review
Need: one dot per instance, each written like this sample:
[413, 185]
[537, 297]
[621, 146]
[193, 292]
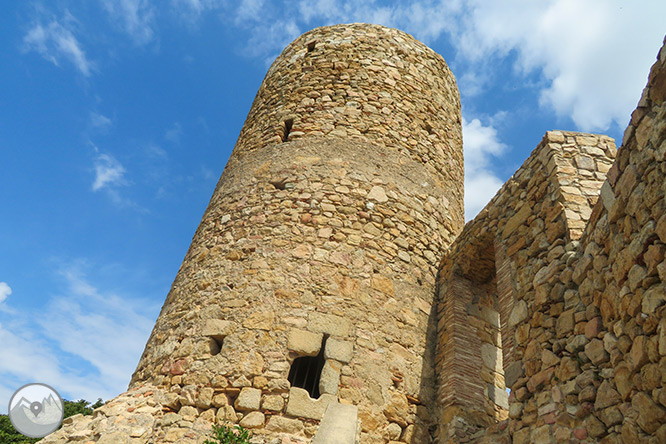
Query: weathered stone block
[304, 342]
[272, 402]
[518, 314]
[330, 377]
[301, 405]
[281, 424]
[607, 396]
[397, 409]
[499, 396]
[328, 323]
[218, 329]
[248, 399]
[650, 415]
[339, 350]
[596, 352]
[378, 194]
[491, 357]
[513, 372]
[252, 420]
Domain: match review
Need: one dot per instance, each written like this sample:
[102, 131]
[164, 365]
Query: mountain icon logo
[36, 410]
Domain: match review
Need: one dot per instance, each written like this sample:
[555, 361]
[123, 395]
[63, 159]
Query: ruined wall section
[620, 276]
[589, 353]
[512, 252]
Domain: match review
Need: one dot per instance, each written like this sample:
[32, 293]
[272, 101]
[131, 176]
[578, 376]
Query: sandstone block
[205, 398]
[330, 377]
[650, 415]
[301, 405]
[653, 298]
[499, 396]
[383, 284]
[516, 220]
[397, 409]
[114, 438]
[596, 352]
[491, 357]
[220, 400]
[378, 194]
[281, 424]
[272, 402]
[513, 372]
[260, 320]
[226, 414]
[328, 323]
[518, 314]
[188, 412]
[252, 420]
[607, 396]
[565, 324]
[248, 399]
[218, 329]
[638, 354]
[304, 342]
[339, 350]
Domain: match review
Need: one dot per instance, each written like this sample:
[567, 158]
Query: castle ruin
[333, 294]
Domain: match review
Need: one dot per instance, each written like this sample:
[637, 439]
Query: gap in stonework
[305, 371]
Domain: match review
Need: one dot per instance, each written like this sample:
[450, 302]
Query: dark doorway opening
[305, 371]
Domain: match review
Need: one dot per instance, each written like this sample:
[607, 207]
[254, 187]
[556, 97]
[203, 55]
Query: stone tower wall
[328, 221]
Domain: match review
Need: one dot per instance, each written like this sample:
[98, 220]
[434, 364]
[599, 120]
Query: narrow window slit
[305, 371]
[288, 124]
[311, 46]
[216, 345]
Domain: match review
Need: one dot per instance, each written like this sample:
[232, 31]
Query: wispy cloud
[100, 121]
[192, 10]
[109, 173]
[5, 291]
[55, 41]
[87, 346]
[135, 17]
[480, 145]
[174, 133]
[103, 328]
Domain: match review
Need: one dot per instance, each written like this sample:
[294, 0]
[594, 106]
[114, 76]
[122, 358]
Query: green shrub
[226, 435]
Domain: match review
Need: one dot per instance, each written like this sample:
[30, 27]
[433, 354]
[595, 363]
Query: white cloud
[87, 347]
[5, 291]
[594, 55]
[480, 144]
[109, 172]
[100, 121]
[55, 41]
[136, 17]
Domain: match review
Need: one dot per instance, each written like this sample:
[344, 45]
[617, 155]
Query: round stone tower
[311, 276]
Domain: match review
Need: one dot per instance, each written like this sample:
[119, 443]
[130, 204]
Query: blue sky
[118, 117]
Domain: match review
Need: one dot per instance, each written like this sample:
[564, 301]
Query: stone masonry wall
[327, 224]
[507, 254]
[584, 310]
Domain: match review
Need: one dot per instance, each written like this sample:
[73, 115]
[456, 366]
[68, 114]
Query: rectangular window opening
[288, 124]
